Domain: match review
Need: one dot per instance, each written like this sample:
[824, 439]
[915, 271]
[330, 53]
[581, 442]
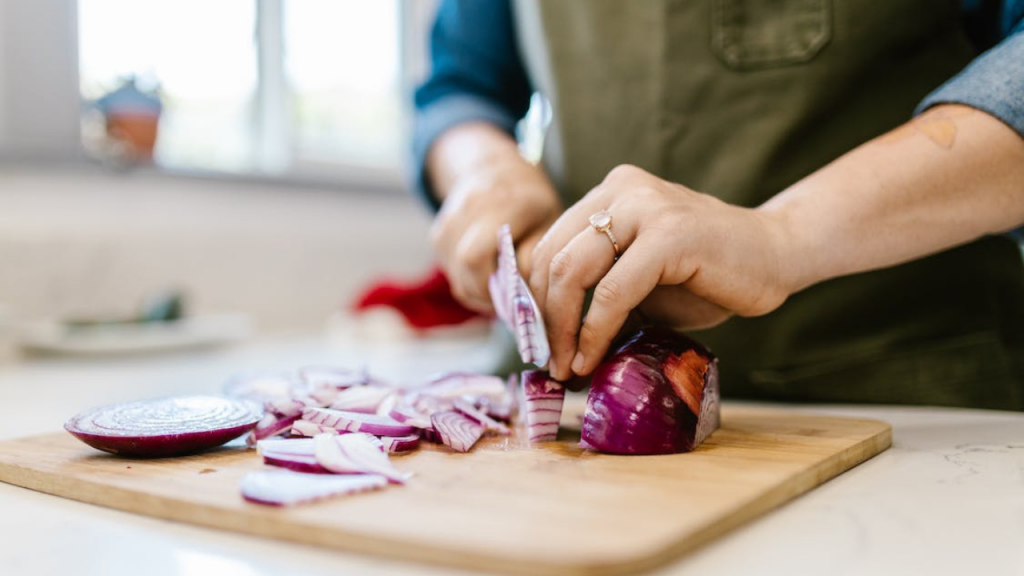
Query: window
[282, 87]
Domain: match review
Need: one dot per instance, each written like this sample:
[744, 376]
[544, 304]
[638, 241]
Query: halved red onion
[165, 426]
[658, 394]
[354, 454]
[467, 409]
[284, 487]
[357, 422]
[516, 305]
[456, 430]
[543, 398]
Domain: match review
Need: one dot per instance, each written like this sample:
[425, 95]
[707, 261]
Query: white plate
[195, 332]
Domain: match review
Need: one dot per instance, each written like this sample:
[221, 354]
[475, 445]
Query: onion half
[658, 394]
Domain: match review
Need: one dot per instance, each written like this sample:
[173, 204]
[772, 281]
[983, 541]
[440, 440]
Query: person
[820, 188]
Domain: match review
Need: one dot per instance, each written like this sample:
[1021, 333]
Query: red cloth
[427, 303]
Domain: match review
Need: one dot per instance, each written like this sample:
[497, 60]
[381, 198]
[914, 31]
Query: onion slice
[357, 422]
[270, 425]
[471, 412]
[165, 426]
[354, 454]
[284, 487]
[401, 444]
[543, 398]
[515, 304]
[457, 431]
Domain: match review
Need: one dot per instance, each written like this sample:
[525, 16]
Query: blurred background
[246, 153]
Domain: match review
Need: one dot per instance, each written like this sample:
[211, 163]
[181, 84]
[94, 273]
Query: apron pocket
[757, 34]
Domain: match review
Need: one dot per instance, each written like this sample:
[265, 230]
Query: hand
[504, 190]
[686, 257]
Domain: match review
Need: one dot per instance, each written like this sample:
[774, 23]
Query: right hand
[505, 189]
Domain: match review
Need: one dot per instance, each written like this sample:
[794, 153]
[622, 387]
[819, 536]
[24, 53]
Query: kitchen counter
[947, 498]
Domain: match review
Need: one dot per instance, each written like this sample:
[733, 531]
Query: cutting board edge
[167, 508]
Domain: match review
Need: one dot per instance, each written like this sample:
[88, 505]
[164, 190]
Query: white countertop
[947, 498]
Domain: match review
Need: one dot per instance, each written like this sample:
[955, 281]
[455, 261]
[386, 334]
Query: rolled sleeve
[993, 82]
[476, 75]
[442, 114]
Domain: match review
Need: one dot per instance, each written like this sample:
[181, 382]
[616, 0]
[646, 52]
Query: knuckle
[470, 256]
[625, 172]
[608, 294]
[562, 267]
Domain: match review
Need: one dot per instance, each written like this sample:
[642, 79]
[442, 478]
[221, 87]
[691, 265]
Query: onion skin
[642, 397]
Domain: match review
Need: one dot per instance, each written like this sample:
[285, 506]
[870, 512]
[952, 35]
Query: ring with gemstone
[602, 222]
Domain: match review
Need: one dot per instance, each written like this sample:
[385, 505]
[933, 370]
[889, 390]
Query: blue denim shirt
[477, 73]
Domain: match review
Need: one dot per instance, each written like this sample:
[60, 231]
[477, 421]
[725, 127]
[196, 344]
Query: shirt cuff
[439, 116]
[993, 82]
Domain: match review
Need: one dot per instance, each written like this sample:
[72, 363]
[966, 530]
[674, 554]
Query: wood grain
[504, 507]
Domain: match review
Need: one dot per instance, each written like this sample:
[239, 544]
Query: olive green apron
[740, 99]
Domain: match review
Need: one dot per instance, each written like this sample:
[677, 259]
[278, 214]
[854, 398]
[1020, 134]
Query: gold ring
[602, 222]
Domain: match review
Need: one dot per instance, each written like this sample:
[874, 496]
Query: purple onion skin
[161, 446]
[633, 408]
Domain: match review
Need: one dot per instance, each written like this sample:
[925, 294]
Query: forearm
[465, 148]
[946, 178]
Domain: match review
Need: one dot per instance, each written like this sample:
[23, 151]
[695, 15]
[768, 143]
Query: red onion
[543, 398]
[402, 444]
[456, 430]
[164, 427]
[451, 385]
[658, 394]
[467, 409]
[364, 399]
[515, 304]
[307, 428]
[283, 487]
[354, 454]
[357, 422]
[270, 425]
[295, 462]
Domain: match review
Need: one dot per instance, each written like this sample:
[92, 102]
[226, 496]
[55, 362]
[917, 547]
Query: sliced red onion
[364, 399]
[284, 487]
[310, 429]
[543, 399]
[457, 431]
[298, 446]
[451, 385]
[515, 304]
[431, 435]
[295, 462]
[166, 426]
[270, 425]
[354, 454]
[407, 415]
[658, 394]
[287, 407]
[471, 412]
[403, 444]
[357, 422]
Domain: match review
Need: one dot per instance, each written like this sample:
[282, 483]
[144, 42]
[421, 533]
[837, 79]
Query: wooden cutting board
[504, 507]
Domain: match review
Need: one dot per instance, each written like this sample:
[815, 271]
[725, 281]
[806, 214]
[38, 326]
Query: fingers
[572, 271]
[621, 290]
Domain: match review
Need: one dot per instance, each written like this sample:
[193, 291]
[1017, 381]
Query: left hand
[687, 258]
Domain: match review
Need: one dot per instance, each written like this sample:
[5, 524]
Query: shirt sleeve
[476, 75]
[993, 82]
